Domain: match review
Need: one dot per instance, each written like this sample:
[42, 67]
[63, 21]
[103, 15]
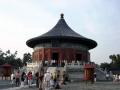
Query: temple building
[61, 43]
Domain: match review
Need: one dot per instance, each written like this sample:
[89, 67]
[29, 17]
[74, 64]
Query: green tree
[2, 59]
[27, 57]
[105, 65]
[10, 58]
[115, 61]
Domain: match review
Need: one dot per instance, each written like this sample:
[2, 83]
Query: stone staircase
[101, 75]
[76, 72]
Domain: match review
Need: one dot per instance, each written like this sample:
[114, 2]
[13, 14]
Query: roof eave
[87, 42]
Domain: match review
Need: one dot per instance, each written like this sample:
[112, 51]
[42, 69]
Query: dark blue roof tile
[62, 31]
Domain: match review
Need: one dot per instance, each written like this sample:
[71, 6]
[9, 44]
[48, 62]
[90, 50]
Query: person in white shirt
[12, 79]
[47, 78]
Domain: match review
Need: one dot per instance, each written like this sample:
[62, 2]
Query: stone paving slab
[5, 84]
[81, 86]
[97, 86]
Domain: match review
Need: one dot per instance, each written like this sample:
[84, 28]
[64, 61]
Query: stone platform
[80, 86]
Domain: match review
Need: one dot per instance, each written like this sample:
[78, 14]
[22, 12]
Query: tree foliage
[105, 65]
[10, 58]
[27, 57]
[115, 62]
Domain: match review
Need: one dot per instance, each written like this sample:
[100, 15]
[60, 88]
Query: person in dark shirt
[95, 75]
[23, 76]
[37, 79]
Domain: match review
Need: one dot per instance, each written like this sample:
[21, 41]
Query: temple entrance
[55, 56]
[78, 57]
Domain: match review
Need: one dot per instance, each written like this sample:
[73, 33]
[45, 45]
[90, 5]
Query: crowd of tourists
[21, 79]
[47, 80]
[44, 80]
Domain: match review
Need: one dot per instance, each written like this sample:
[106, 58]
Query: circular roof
[62, 32]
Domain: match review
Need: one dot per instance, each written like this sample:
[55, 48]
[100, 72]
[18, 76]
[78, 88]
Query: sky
[99, 20]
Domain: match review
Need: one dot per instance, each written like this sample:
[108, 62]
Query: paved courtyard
[80, 86]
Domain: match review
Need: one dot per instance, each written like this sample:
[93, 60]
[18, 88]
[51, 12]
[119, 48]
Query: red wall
[64, 54]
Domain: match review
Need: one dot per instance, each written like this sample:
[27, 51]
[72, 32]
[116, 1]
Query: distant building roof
[115, 70]
[6, 65]
[62, 32]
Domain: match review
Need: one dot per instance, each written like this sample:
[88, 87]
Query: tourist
[95, 75]
[117, 77]
[29, 78]
[37, 79]
[12, 79]
[23, 77]
[64, 77]
[17, 77]
[41, 75]
[46, 81]
[55, 79]
[57, 86]
[52, 82]
[114, 79]
[107, 76]
[67, 77]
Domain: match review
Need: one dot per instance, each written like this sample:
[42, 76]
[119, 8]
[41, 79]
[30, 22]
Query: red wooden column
[89, 72]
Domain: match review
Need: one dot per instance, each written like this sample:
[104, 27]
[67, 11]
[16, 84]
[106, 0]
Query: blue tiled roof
[61, 31]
